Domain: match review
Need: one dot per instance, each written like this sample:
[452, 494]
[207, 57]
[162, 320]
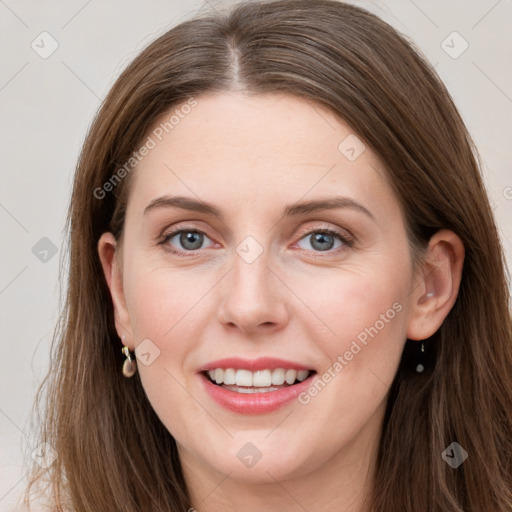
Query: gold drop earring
[129, 365]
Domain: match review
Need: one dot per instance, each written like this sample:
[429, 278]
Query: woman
[287, 290]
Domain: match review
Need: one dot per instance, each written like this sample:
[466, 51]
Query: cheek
[366, 309]
[163, 302]
[362, 302]
[166, 307]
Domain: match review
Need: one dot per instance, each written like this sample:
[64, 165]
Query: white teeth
[301, 375]
[219, 375]
[278, 377]
[243, 378]
[290, 376]
[229, 376]
[251, 390]
[260, 379]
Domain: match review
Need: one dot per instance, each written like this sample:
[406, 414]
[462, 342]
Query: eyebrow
[296, 209]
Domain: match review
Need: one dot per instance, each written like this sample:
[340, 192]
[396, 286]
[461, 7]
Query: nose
[252, 297]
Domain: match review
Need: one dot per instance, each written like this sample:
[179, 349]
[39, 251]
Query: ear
[436, 290]
[110, 256]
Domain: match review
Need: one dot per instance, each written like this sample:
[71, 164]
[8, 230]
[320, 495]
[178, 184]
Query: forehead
[254, 150]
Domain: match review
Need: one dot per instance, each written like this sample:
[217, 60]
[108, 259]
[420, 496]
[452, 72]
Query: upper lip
[254, 365]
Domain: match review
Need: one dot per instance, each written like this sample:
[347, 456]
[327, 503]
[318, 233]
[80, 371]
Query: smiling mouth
[262, 381]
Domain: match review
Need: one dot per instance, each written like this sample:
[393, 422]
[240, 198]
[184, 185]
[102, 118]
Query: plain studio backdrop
[59, 59]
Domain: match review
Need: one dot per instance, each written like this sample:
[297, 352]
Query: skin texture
[251, 156]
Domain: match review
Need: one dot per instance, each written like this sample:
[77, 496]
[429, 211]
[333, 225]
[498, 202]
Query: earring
[419, 366]
[129, 365]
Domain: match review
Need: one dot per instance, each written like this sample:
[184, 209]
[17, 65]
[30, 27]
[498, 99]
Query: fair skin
[250, 156]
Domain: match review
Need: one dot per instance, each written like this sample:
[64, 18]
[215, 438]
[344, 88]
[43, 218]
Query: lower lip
[254, 403]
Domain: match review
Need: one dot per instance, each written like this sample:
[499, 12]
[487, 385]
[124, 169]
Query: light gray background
[46, 106]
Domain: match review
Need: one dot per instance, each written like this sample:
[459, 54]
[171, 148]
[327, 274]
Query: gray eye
[320, 241]
[187, 240]
[191, 240]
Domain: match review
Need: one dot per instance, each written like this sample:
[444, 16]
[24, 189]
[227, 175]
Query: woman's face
[241, 269]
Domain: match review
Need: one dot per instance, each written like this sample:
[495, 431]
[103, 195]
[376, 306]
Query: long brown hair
[113, 452]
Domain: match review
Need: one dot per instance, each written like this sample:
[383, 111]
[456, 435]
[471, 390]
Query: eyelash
[347, 240]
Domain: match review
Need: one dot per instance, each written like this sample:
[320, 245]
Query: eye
[183, 240]
[188, 240]
[324, 240]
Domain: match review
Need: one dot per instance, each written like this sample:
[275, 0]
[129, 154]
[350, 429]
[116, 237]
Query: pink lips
[262, 363]
[253, 403]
